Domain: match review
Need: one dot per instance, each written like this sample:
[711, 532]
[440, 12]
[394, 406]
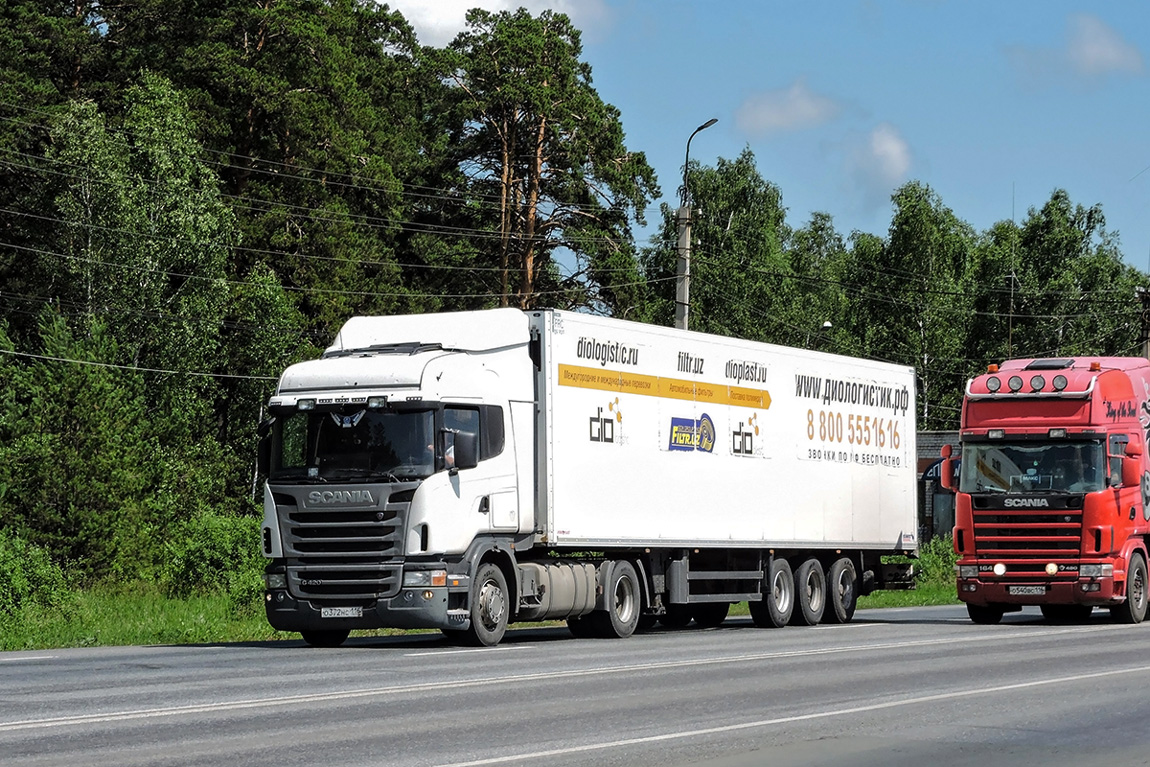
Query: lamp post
[683, 268]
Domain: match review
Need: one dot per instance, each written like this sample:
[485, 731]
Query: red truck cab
[1052, 504]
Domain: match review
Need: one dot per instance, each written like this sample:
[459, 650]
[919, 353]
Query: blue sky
[992, 104]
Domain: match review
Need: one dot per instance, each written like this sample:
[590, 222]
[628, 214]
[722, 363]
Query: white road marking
[503, 648]
[28, 657]
[345, 695]
[797, 718]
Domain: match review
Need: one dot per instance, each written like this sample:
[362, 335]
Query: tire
[325, 637]
[1133, 610]
[1066, 613]
[710, 615]
[581, 627]
[676, 617]
[985, 615]
[490, 604]
[810, 594]
[621, 617]
[842, 592]
[778, 602]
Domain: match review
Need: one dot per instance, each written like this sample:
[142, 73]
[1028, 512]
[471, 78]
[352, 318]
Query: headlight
[1096, 571]
[424, 578]
[968, 571]
[275, 580]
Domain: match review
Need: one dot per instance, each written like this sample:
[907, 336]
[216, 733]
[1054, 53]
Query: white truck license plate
[341, 612]
[1026, 591]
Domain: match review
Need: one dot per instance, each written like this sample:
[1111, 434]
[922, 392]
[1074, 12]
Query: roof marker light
[992, 368]
[1015, 383]
[1095, 366]
[1059, 383]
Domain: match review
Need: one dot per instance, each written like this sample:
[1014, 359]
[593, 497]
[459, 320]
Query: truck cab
[1050, 507]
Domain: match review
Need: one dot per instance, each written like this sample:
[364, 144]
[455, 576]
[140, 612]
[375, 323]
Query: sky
[992, 104]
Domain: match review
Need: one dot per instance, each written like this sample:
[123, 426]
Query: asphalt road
[916, 686]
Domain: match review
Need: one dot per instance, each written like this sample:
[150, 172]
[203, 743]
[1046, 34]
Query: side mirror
[946, 469]
[1132, 470]
[466, 450]
[264, 452]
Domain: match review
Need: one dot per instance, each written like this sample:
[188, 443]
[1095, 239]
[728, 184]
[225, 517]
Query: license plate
[341, 612]
[1026, 591]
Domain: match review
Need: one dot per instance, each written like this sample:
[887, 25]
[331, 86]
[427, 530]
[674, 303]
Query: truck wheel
[711, 614]
[1066, 613]
[676, 617]
[622, 614]
[489, 607]
[985, 615]
[810, 592]
[1133, 610]
[325, 637]
[842, 591]
[778, 602]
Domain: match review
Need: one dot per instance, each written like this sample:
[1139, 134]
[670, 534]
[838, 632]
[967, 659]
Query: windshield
[1068, 467]
[353, 443]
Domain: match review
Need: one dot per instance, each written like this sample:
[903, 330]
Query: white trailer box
[655, 436]
[570, 466]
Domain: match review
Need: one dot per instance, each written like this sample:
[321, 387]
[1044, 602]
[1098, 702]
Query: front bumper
[412, 608]
[1056, 593]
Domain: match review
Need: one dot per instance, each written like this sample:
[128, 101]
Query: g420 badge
[689, 434]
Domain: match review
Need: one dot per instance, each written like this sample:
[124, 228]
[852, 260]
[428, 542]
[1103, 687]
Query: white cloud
[876, 165]
[1092, 50]
[1096, 49]
[786, 109]
[437, 22]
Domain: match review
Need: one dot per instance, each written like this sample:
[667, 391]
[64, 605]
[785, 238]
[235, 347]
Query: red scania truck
[1052, 503]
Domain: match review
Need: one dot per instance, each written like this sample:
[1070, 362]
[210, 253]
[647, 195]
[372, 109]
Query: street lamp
[683, 269]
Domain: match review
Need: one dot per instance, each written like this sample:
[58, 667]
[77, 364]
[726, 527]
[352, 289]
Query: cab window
[1117, 451]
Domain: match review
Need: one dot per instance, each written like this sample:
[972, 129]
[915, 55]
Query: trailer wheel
[1133, 610]
[489, 606]
[985, 615]
[811, 593]
[325, 637]
[676, 617]
[711, 614]
[622, 614]
[842, 591]
[778, 602]
[1066, 613]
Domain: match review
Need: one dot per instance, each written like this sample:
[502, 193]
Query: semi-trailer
[464, 471]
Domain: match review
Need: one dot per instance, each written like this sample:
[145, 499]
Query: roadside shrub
[214, 553]
[936, 561]
[28, 576]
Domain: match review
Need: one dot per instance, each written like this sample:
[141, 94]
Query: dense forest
[196, 194]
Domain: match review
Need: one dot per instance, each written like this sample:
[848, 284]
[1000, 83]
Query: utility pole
[683, 265]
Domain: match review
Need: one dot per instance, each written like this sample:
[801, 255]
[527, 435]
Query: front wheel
[489, 607]
[1133, 610]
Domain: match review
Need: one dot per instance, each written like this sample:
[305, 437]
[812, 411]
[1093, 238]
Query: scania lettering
[471, 470]
[1051, 504]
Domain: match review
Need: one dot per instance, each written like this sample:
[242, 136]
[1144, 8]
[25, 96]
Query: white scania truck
[466, 470]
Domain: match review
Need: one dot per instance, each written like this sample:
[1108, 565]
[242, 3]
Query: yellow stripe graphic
[669, 388]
